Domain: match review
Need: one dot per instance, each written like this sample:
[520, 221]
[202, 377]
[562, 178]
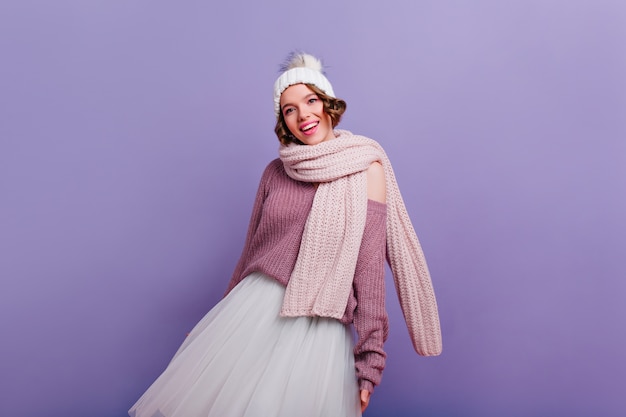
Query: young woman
[327, 214]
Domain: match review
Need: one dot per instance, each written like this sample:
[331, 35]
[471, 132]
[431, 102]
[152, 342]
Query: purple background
[133, 134]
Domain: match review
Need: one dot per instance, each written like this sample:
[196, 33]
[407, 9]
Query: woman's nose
[303, 114]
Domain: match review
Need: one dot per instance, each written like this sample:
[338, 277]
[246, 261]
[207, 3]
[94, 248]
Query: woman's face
[304, 115]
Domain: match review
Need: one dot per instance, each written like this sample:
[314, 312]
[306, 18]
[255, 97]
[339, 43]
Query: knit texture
[321, 280]
[298, 76]
[281, 208]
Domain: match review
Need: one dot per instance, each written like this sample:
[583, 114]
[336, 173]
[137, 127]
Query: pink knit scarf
[322, 278]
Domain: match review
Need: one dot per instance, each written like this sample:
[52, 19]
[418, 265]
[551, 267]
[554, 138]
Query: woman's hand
[365, 399]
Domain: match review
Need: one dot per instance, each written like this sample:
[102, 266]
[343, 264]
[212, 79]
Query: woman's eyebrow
[304, 98]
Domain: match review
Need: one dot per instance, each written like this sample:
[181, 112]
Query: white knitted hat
[301, 68]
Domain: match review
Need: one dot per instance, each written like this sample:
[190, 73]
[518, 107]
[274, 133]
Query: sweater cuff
[367, 385]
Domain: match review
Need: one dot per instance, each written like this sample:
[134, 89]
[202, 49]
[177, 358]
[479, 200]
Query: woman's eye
[287, 111]
[312, 100]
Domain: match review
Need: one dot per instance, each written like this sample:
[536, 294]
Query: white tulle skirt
[244, 360]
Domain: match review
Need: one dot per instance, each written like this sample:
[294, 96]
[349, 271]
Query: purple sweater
[279, 214]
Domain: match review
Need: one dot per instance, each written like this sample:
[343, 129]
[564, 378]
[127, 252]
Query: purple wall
[133, 134]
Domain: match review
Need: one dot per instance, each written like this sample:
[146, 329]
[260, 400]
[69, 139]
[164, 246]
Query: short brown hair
[334, 107]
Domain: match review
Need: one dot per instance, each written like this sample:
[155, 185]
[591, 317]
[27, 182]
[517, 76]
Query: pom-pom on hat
[301, 68]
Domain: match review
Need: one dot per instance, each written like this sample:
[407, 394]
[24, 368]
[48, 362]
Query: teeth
[308, 127]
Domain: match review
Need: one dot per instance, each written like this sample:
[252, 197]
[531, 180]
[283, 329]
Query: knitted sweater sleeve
[255, 218]
[370, 316]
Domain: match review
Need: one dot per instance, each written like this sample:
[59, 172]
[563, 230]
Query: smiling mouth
[309, 126]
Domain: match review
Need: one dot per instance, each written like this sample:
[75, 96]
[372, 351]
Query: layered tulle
[244, 360]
